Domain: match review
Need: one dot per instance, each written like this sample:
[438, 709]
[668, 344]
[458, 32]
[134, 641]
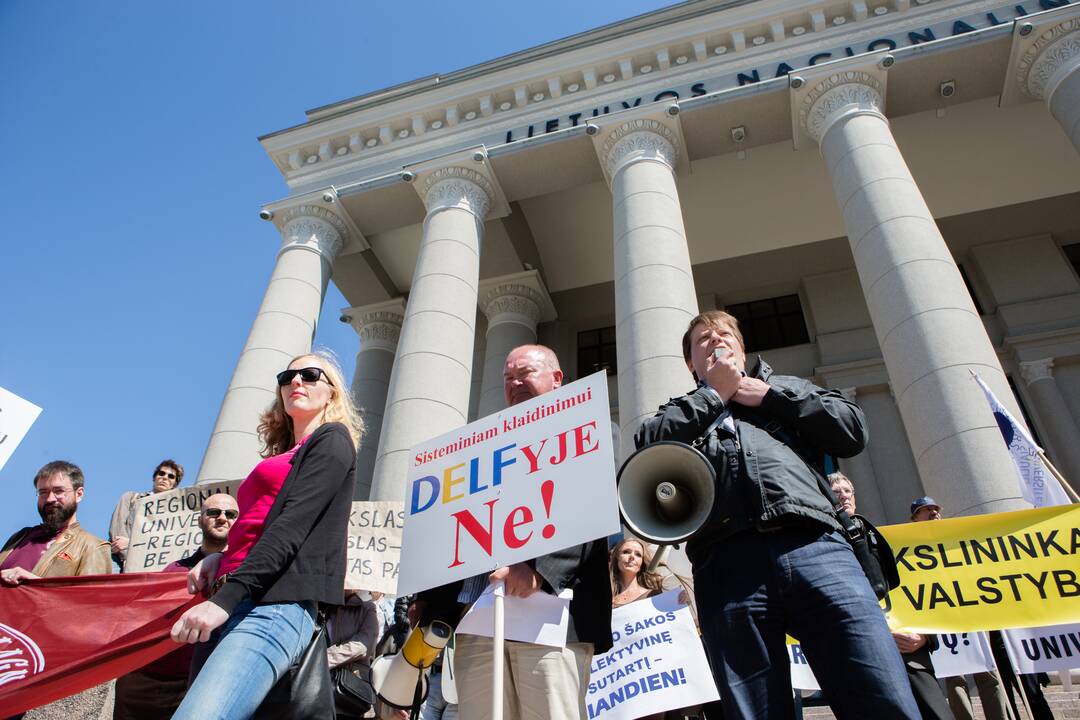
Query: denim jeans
[247, 656]
[755, 587]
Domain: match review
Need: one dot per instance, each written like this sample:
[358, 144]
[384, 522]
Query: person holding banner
[772, 558]
[167, 475]
[286, 554]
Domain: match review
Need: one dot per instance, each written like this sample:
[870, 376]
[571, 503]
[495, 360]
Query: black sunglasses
[308, 375]
[215, 512]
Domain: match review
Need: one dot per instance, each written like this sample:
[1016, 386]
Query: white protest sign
[166, 525]
[657, 663]
[16, 417]
[1045, 649]
[375, 546]
[962, 654]
[530, 480]
[802, 677]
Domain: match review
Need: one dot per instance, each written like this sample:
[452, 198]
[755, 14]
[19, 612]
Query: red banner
[60, 636]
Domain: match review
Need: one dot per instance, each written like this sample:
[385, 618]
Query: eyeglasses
[308, 375]
[216, 512]
[168, 475]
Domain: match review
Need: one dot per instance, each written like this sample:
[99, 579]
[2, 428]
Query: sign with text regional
[166, 525]
[532, 479]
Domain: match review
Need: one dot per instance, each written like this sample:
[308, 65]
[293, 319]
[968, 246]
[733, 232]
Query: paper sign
[1045, 649]
[530, 480]
[375, 546]
[802, 677]
[962, 654]
[656, 664]
[16, 417]
[166, 525]
[540, 619]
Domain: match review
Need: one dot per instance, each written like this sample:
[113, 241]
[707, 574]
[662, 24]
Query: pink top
[255, 498]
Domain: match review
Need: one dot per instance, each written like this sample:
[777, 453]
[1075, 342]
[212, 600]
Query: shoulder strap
[704, 437]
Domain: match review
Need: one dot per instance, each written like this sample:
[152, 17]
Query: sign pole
[497, 660]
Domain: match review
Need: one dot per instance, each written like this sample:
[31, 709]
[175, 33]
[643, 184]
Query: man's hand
[415, 612]
[908, 642]
[723, 376]
[204, 573]
[197, 623]
[119, 545]
[521, 580]
[13, 576]
[750, 392]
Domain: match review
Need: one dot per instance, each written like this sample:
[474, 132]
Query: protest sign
[657, 662]
[16, 417]
[166, 525]
[802, 677]
[530, 480]
[987, 572]
[962, 654]
[1045, 649]
[375, 546]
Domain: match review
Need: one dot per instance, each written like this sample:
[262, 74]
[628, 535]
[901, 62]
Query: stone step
[1064, 705]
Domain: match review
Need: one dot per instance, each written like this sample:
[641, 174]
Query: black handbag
[353, 695]
[304, 692]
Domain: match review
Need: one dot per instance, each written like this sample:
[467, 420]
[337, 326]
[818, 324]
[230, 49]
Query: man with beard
[167, 476]
[58, 547]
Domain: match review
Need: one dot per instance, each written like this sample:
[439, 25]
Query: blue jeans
[754, 587]
[247, 656]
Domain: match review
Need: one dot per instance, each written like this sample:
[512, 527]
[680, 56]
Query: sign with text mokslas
[374, 548]
[532, 479]
[166, 527]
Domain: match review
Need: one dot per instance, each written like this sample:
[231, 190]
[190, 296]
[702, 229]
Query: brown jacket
[75, 552]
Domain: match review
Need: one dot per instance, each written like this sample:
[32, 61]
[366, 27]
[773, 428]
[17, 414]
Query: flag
[60, 636]
[1037, 485]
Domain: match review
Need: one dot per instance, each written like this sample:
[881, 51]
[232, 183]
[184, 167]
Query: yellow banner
[987, 572]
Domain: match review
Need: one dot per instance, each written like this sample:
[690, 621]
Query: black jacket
[767, 472]
[301, 553]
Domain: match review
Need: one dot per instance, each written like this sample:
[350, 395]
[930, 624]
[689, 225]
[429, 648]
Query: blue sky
[132, 260]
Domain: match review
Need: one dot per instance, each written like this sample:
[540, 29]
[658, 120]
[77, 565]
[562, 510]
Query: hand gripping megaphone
[400, 680]
[666, 492]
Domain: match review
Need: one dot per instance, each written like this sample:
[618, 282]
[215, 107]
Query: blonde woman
[286, 552]
[630, 576]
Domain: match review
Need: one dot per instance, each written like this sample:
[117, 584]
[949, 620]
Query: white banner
[802, 677]
[166, 525]
[16, 417]
[1045, 649]
[532, 479]
[657, 663]
[375, 546]
[962, 654]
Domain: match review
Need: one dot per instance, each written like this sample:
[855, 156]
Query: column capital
[463, 180]
[314, 228]
[378, 325]
[820, 99]
[1045, 49]
[520, 297]
[1035, 370]
[649, 134]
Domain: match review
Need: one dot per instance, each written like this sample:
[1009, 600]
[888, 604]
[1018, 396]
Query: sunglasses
[216, 512]
[308, 375]
[168, 475]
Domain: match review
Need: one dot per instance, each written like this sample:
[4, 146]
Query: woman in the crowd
[630, 576]
[286, 553]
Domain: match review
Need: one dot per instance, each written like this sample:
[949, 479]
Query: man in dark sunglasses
[167, 475]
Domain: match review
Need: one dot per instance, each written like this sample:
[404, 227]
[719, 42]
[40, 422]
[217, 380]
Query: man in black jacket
[772, 560]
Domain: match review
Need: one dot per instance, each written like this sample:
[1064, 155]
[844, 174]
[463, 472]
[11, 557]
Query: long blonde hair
[646, 579]
[275, 426]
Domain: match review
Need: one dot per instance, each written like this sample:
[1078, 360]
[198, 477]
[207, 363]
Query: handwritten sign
[657, 662]
[166, 525]
[375, 546]
[530, 480]
[16, 417]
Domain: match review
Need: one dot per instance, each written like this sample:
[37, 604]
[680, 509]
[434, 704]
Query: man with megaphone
[771, 558]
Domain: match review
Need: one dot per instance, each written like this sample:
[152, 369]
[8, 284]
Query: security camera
[327, 198]
[591, 129]
[738, 134]
[479, 156]
[947, 89]
[796, 82]
[408, 176]
[266, 214]
[888, 61]
[345, 318]
[673, 110]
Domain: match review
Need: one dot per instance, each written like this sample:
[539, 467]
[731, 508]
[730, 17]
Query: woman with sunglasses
[286, 552]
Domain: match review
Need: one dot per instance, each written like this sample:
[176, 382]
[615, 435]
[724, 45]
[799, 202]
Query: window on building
[1072, 252]
[970, 289]
[596, 351]
[771, 323]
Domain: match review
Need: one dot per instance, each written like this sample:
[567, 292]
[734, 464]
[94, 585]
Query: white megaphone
[400, 680]
[666, 492]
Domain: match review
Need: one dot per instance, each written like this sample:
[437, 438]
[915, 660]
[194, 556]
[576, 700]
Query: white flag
[1037, 485]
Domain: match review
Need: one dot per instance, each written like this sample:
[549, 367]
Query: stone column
[379, 327]
[928, 330]
[513, 305]
[1062, 433]
[430, 382]
[1046, 66]
[283, 328]
[860, 470]
[654, 285]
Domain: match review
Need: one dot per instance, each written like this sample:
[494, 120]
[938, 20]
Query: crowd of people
[772, 560]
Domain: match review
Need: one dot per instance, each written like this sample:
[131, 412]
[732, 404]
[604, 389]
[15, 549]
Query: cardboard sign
[530, 480]
[375, 546]
[16, 417]
[962, 654]
[1045, 649]
[166, 525]
[657, 662]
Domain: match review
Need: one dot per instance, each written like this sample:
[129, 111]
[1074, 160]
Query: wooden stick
[1059, 477]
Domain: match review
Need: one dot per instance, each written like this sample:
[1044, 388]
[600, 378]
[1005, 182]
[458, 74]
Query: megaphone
[666, 492]
[400, 680]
